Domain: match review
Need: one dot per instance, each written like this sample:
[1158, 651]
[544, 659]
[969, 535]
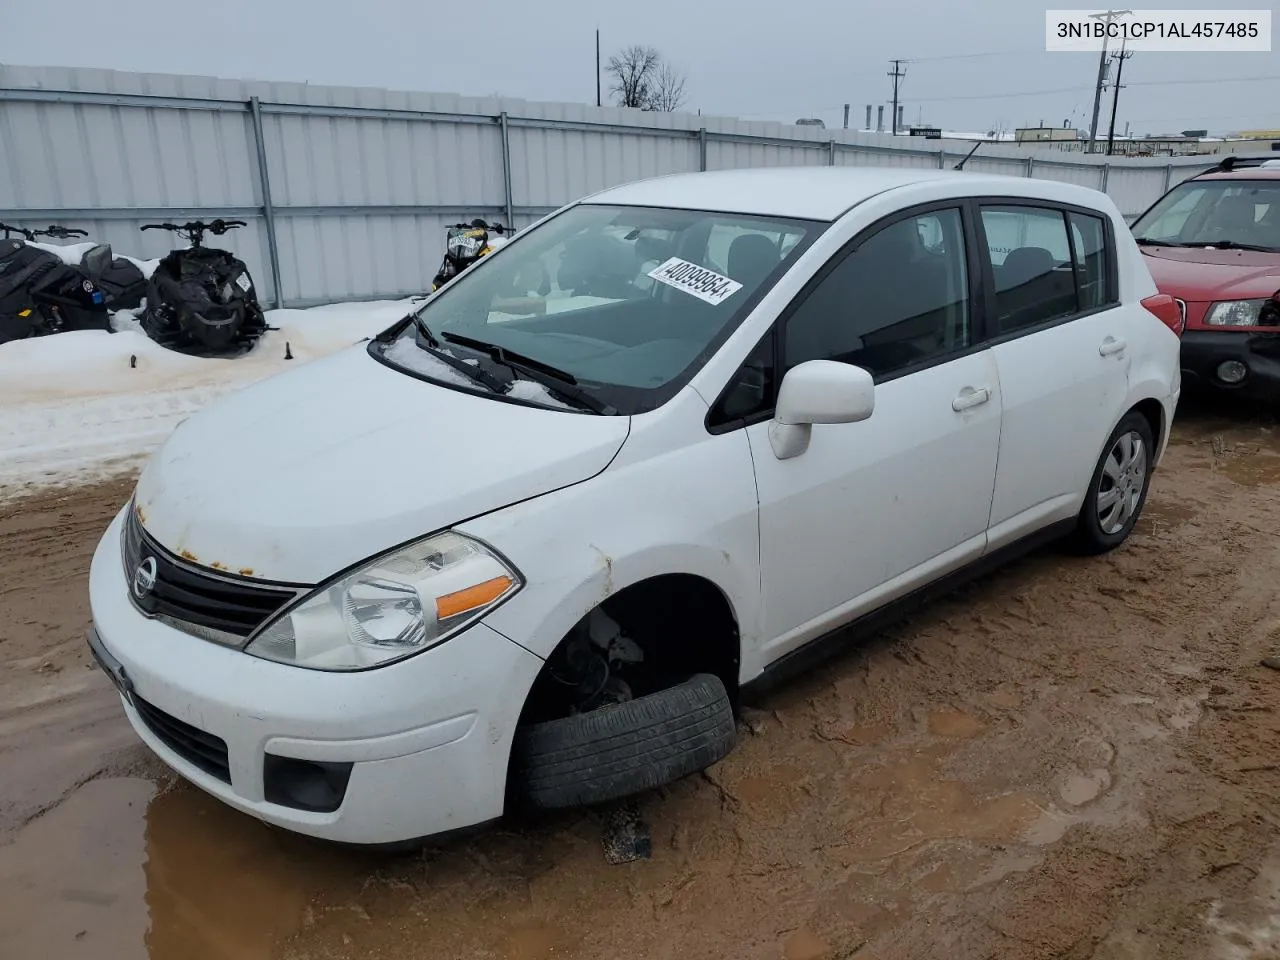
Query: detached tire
[624, 749]
[1118, 488]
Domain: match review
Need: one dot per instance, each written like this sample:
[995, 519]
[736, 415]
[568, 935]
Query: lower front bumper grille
[198, 748]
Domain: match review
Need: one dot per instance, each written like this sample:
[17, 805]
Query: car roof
[817, 193]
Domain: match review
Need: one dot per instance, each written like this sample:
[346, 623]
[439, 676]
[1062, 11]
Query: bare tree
[666, 91]
[633, 73]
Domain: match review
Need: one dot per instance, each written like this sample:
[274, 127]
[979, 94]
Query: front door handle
[1110, 346]
[970, 398]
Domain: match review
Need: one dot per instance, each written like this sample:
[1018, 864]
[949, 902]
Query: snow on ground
[73, 408]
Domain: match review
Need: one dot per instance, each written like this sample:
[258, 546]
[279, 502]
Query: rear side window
[1031, 262]
[1089, 239]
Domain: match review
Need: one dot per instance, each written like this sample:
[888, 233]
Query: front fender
[689, 510]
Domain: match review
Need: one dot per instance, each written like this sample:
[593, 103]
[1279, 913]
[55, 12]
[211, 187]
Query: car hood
[1197, 274]
[301, 475]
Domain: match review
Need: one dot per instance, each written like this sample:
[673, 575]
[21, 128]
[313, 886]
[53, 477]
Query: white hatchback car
[530, 544]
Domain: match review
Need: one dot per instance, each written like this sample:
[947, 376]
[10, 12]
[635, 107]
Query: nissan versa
[529, 545]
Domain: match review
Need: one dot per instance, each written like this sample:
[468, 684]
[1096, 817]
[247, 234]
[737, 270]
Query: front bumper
[427, 740]
[1203, 351]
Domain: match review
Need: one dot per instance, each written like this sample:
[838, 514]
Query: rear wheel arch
[1153, 411]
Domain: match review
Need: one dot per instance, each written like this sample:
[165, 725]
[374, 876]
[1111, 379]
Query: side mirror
[818, 391]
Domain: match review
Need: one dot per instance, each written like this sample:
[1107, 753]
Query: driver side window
[900, 299]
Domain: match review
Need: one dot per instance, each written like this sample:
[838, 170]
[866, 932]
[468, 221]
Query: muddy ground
[1072, 758]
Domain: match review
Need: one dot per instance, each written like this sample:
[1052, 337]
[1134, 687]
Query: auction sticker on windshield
[695, 280]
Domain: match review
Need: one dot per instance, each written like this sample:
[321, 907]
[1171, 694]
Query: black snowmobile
[40, 294]
[465, 243]
[201, 300]
[120, 280]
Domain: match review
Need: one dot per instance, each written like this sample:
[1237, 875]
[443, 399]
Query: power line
[1076, 89]
[1169, 83]
[1002, 96]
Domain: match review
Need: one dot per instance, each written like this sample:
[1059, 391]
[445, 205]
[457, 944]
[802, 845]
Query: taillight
[1165, 309]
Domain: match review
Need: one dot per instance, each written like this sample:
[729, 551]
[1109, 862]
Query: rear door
[1062, 345]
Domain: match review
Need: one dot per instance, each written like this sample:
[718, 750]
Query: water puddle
[918, 807]
[804, 944]
[120, 870]
[1169, 512]
[1252, 467]
[953, 723]
[74, 883]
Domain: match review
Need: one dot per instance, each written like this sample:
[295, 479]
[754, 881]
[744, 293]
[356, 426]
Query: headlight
[397, 605]
[1234, 313]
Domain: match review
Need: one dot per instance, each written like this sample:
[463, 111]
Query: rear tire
[624, 749]
[1118, 488]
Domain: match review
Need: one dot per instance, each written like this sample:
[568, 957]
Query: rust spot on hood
[188, 555]
[246, 571]
[142, 516]
[218, 566]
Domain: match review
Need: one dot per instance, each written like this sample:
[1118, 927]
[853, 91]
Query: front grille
[185, 595]
[198, 748]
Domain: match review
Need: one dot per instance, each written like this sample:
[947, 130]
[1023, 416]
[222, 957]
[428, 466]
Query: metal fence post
[1168, 177]
[268, 210]
[506, 166]
[942, 159]
[702, 149]
[1106, 175]
[1031, 166]
[831, 153]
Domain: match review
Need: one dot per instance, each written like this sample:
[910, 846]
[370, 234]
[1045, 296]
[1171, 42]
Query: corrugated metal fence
[347, 190]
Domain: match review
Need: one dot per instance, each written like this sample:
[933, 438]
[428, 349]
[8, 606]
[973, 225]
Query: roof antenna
[960, 165]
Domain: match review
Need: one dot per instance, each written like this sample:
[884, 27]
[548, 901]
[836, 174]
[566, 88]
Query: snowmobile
[201, 300]
[40, 294]
[120, 280]
[465, 243]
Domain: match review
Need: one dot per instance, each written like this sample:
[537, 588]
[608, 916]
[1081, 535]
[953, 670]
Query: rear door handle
[1110, 346]
[970, 398]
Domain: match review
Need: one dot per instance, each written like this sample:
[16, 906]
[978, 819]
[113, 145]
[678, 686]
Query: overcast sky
[975, 66]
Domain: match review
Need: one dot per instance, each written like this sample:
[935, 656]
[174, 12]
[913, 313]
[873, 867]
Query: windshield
[605, 309]
[1243, 213]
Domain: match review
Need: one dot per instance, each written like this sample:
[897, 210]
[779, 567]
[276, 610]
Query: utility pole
[1121, 57]
[597, 66]
[897, 73]
[1109, 16]
[846, 116]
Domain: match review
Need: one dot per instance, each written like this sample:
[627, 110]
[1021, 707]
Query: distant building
[1161, 145]
[1040, 134]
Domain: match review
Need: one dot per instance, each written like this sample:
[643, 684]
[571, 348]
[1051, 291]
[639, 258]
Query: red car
[1213, 243]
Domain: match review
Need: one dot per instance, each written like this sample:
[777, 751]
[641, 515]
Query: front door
[871, 509]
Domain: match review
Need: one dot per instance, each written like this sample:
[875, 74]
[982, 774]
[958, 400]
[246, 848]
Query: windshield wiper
[432, 340]
[431, 344]
[553, 378]
[504, 356]
[1236, 245]
[1149, 242]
